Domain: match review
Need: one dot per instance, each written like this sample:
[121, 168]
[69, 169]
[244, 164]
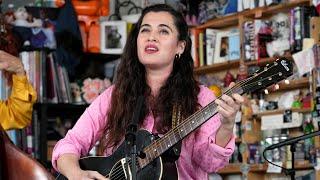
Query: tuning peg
[266, 91]
[276, 86]
[286, 81]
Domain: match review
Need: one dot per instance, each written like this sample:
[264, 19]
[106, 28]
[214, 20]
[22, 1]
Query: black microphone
[133, 126]
[293, 140]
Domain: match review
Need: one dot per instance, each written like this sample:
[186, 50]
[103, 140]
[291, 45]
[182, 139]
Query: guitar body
[112, 167]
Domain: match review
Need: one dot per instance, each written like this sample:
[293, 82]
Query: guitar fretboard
[173, 136]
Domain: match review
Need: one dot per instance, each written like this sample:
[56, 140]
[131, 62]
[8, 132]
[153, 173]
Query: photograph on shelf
[221, 47]
[113, 36]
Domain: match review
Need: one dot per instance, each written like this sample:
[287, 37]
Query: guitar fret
[162, 147]
[202, 116]
[173, 137]
[176, 139]
[177, 135]
[170, 142]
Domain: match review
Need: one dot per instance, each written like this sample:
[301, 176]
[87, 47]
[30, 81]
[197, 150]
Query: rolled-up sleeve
[208, 155]
[87, 131]
[16, 112]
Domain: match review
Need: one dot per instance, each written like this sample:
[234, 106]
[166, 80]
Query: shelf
[234, 168]
[217, 67]
[281, 111]
[30, 49]
[293, 84]
[233, 64]
[271, 10]
[221, 22]
[264, 61]
[233, 19]
[230, 169]
[63, 105]
[64, 110]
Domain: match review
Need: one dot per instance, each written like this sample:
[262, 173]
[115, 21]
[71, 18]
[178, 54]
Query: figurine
[76, 93]
[280, 34]
[21, 19]
[242, 73]
[297, 102]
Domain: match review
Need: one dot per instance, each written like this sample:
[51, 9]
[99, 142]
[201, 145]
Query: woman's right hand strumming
[68, 165]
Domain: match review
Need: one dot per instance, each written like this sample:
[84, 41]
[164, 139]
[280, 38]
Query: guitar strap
[173, 153]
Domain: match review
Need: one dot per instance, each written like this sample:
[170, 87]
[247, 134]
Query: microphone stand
[292, 142]
[130, 139]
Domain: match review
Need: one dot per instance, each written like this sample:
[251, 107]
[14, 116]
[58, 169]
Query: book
[234, 45]
[210, 44]
[194, 36]
[248, 40]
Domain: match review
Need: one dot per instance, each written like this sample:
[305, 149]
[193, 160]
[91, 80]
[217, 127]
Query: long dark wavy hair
[181, 88]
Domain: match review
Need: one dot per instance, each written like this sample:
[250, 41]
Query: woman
[156, 63]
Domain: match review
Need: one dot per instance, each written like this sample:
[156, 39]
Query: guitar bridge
[126, 168]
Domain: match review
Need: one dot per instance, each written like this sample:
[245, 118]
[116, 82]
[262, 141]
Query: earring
[177, 56]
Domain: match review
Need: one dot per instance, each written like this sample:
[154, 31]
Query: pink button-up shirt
[199, 153]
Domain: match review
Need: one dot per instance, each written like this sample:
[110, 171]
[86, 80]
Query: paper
[274, 169]
[304, 61]
[277, 121]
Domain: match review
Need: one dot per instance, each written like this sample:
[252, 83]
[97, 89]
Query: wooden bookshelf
[233, 19]
[264, 61]
[222, 22]
[281, 111]
[235, 168]
[217, 67]
[271, 10]
[293, 84]
[230, 169]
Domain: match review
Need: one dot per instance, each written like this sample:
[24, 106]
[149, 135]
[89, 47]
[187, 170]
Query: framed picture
[113, 36]
[222, 47]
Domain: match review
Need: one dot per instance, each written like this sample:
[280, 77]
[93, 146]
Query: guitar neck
[178, 133]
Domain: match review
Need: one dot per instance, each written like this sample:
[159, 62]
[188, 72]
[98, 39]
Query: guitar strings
[198, 113]
[173, 131]
[237, 85]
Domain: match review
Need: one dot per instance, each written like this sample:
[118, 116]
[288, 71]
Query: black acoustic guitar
[151, 167]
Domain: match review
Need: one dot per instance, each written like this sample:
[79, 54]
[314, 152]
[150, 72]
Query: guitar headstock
[270, 74]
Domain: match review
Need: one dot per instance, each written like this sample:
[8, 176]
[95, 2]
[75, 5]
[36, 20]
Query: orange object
[94, 38]
[60, 3]
[104, 8]
[91, 7]
[87, 20]
[216, 90]
[84, 35]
